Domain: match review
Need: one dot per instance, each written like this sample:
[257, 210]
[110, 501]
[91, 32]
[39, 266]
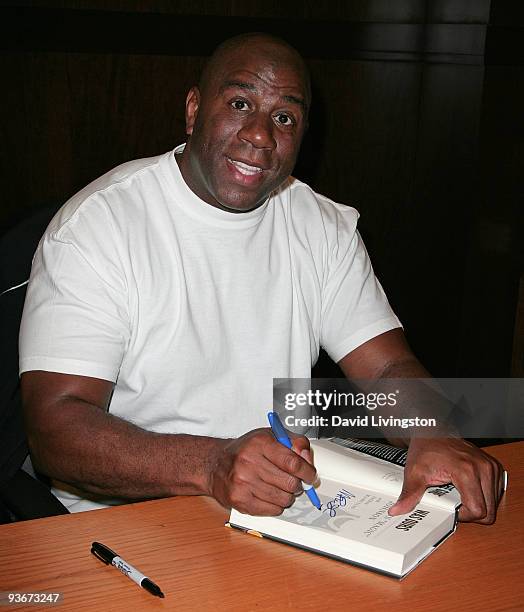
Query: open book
[359, 482]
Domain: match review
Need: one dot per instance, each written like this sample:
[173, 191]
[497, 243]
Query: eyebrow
[252, 88]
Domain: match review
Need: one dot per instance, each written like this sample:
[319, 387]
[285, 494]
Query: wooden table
[182, 544]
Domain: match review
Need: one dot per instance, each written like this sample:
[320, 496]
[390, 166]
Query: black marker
[106, 555]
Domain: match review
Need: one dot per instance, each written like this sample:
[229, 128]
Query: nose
[258, 131]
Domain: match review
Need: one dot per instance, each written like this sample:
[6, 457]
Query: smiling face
[245, 123]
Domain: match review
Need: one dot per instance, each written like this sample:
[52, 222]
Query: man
[166, 296]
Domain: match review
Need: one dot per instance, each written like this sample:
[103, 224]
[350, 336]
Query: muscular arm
[439, 460]
[74, 439]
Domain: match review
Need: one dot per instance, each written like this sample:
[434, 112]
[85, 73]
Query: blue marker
[280, 434]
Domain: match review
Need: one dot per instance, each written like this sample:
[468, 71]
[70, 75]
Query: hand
[477, 476]
[255, 474]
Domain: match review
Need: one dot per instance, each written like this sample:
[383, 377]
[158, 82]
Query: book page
[350, 466]
[362, 516]
[343, 509]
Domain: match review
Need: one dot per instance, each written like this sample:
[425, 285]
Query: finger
[273, 496]
[243, 493]
[266, 493]
[489, 485]
[498, 483]
[300, 443]
[257, 507]
[496, 490]
[307, 455]
[290, 462]
[481, 498]
[491, 482]
[302, 447]
[273, 476]
[473, 506]
[412, 490]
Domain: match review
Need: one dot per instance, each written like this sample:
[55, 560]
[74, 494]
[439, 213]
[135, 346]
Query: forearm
[386, 366]
[405, 369]
[73, 439]
[86, 447]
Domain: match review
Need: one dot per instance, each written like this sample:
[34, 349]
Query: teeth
[244, 168]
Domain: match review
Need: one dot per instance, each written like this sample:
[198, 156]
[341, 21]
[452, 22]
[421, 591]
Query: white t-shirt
[192, 310]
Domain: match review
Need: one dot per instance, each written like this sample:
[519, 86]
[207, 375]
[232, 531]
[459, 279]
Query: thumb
[412, 490]
[306, 454]
[299, 445]
[302, 448]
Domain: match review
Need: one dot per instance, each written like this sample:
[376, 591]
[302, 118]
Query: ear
[192, 106]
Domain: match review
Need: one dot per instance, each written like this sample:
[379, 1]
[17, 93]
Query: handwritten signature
[339, 501]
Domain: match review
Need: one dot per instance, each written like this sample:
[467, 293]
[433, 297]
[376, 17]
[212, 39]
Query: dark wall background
[417, 122]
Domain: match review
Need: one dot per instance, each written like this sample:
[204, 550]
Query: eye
[284, 119]
[239, 105]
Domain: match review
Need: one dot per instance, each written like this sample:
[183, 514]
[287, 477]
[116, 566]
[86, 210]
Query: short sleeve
[354, 306]
[75, 318]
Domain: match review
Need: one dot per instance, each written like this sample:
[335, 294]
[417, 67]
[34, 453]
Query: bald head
[275, 50]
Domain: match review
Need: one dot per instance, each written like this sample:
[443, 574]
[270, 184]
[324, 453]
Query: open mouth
[245, 169]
